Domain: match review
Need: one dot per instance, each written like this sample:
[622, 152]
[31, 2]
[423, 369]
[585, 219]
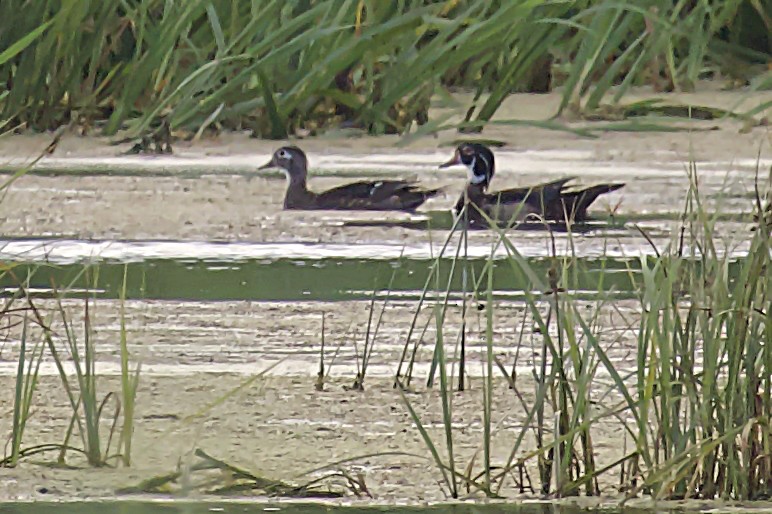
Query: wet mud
[195, 352]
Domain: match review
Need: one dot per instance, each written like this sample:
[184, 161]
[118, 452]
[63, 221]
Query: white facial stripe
[473, 178]
[470, 170]
[487, 164]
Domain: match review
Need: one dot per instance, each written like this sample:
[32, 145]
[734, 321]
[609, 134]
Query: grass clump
[694, 413]
[703, 382]
[73, 353]
[281, 68]
[27, 374]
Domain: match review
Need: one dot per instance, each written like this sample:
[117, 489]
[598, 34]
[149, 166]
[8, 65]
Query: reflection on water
[136, 507]
[66, 251]
[616, 225]
[329, 279]
[179, 270]
[443, 220]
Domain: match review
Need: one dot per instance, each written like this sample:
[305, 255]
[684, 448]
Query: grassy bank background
[278, 67]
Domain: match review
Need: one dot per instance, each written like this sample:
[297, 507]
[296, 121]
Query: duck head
[291, 160]
[478, 160]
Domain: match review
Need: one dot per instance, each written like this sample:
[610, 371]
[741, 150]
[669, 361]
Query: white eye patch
[285, 154]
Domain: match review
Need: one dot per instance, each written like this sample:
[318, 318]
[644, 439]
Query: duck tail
[573, 205]
[551, 191]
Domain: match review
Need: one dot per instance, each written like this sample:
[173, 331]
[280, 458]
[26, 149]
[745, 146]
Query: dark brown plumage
[376, 195]
[549, 201]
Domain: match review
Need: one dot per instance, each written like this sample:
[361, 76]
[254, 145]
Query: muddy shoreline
[285, 428]
[280, 428]
[211, 190]
[196, 352]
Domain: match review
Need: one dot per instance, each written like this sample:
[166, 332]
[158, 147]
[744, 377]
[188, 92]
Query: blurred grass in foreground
[693, 415]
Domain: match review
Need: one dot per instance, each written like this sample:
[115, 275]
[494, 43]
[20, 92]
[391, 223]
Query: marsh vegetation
[281, 68]
[689, 400]
[628, 357]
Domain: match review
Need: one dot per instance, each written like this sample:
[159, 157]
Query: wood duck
[550, 200]
[377, 195]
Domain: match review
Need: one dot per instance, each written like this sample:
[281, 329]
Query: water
[180, 270]
[292, 279]
[221, 283]
[180, 507]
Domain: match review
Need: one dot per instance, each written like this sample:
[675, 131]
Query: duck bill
[455, 160]
[267, 165]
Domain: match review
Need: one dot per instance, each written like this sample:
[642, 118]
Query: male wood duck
[377, 195]
[549, 200]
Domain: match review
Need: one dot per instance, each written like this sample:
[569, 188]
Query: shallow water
[222, 239]
[303, 278]
[181, 507]
[221, 284]
[272, 273]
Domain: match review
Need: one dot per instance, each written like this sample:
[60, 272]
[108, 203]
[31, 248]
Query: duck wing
[549, 200]
[376, 195]
[514, 204]
[535, 196]
[573, 204]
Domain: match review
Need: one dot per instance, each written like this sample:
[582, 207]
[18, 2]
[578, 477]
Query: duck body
[382, 195]
[550, 201]
[376, 195]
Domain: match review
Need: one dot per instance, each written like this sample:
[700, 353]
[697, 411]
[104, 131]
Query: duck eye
[284, 154]
[467, 150]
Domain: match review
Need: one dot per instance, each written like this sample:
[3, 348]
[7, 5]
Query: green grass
[278, 67]
[695, 414]
[129, 383]
[68, 347]
[26, 382]
[371, 334]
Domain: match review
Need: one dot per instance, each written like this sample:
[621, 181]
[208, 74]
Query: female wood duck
[549, 200]
[380, 195]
